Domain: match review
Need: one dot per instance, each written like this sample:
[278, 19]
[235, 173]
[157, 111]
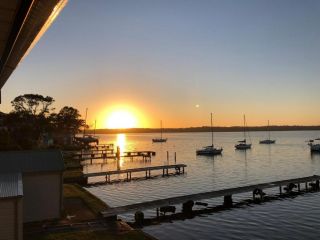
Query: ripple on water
[296, 218]
[288, 158]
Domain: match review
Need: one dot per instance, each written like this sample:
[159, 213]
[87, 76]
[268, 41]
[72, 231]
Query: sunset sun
[121, 119]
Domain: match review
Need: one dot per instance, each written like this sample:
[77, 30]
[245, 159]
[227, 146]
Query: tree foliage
[33, 119]
[33, 104]
[68, 120]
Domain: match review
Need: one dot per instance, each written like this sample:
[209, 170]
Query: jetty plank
[205, 195]
[131, 170]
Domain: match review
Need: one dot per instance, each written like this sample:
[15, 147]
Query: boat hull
[159, 140]
[315, 148]
[243, 146]
[211, 152]
[267, 141]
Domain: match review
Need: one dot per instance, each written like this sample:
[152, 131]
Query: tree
[68, 120]
[33, 104]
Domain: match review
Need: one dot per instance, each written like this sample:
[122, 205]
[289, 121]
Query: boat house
[31, 189]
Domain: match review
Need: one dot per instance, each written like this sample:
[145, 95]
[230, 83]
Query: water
[288, 158]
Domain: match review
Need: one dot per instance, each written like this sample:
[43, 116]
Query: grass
[92, 235]
[91, 201]
[116, 231]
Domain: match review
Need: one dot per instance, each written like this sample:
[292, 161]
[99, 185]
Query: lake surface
[289, 158]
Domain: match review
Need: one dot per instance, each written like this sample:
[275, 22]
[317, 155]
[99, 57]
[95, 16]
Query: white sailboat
[267, 141]
[314, 145]
[243, 145]
[209, 150]
[159, 140]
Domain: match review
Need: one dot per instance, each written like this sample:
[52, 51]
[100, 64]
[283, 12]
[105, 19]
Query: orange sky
[158, 61]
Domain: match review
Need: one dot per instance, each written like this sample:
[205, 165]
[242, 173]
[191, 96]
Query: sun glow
[121, 119]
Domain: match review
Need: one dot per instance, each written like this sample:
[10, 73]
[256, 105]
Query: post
[227, 201]
[168, 157]
[280, 189]
[298, 187]
[175, 158]
[118, 158]
[306, 186]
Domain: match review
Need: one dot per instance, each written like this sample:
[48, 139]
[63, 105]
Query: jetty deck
[112, 155]
[179, 168]
[111, 212]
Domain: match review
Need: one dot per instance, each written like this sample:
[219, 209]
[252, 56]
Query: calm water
[288, 158]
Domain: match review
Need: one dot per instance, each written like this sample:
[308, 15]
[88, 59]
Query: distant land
[204, 129]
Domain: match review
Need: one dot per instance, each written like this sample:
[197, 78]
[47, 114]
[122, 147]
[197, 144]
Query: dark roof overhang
[22, 23]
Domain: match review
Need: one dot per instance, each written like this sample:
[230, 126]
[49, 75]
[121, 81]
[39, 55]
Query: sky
[179, 60]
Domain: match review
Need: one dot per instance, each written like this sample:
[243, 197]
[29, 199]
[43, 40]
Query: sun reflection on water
[121, 143]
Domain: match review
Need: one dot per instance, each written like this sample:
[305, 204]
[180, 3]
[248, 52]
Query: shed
[11, 193]
[42, 178]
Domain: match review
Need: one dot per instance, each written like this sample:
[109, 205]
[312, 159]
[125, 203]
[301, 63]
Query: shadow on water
[209, 210]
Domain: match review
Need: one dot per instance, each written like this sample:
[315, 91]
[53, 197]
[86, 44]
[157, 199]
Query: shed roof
[11, 185]
[31, 161]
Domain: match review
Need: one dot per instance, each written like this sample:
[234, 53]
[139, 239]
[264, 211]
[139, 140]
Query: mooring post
[298, 187]
[146, 174]
[306, 186]
[175, 158]
[280, 189]
[157, 212]
[162, 172]
[168, 157]
[227, 201]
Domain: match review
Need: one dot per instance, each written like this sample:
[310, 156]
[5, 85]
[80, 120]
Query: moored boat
[159, 140]
[209, 150]
[267, 141]
[314, 146]
[243, 145]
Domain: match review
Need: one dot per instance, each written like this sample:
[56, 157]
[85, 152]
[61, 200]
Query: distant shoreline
[204, 129]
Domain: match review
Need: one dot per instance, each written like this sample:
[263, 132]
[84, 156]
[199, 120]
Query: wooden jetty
[226, 193]
[145, 155]
[179, 169]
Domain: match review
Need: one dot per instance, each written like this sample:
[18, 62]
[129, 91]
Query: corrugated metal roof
[31, 161]
[11, 185]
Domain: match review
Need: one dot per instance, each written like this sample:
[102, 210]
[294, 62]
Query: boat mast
[268, 131]
[244, 127]
[85, 123]
[95, 125]
[211, 132]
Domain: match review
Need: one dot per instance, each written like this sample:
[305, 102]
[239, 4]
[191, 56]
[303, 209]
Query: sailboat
[267, 141]
[243, 145]
[209, 150]
[159, 140]
[87, 138]
[314, 145]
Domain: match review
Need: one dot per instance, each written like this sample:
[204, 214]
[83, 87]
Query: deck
[179, 168]
[206, 195]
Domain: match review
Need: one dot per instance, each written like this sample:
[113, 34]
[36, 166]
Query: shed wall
[11, 219]
[42, 196]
